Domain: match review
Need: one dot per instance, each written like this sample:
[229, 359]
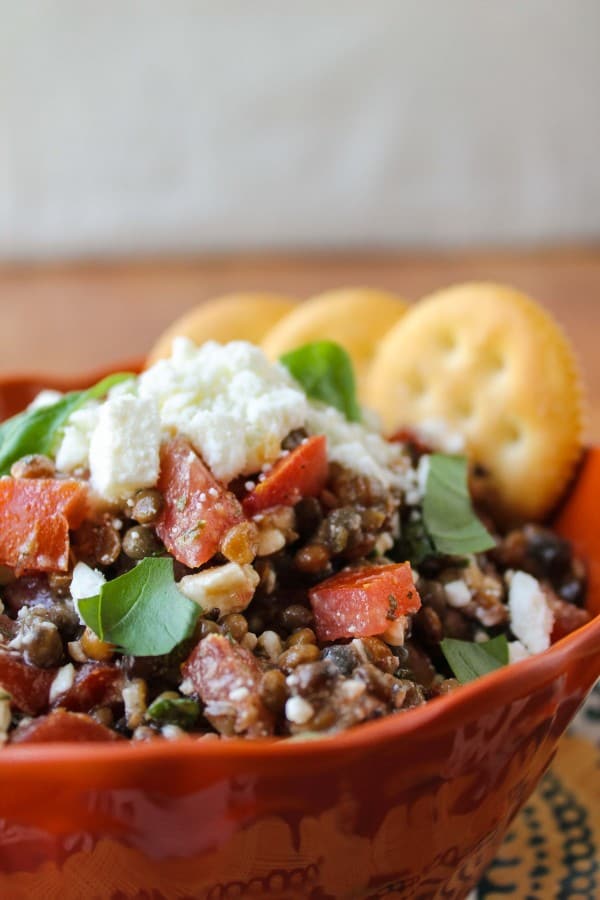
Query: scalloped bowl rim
[433, 716]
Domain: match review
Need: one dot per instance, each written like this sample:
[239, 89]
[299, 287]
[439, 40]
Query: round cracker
[245, 316]
[357, 318]
[494, 366]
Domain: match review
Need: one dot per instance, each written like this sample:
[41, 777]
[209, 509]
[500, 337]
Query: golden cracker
[497, 368]
[244, 316]
[356, 318]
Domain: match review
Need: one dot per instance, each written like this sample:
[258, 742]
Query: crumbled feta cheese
[270, 540]
[124, 449]
[232, 403]
[173, 732]
[229, 587]
[352, 688]
[439, 435]
[395, 634]
[86, 582]
[74, 447]
[457, 593]
[355, 447]
[517, 651]
[134, 699]
[44, 398]
[239, 693]
[531, 619]
[63, 680]
[298, 710]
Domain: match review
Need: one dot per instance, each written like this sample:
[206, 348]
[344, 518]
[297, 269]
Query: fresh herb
[39, 430]
[182, 711]
[324, 370]
[448, 515]
[142, 611]
[414, 545]
[471, 660]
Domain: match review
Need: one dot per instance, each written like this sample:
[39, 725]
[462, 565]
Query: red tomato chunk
[301, 474]
[35, 517]
[197, 511]
[28, 686]
[62, 726]
[227, 678]
[94, 685]
[363, 602]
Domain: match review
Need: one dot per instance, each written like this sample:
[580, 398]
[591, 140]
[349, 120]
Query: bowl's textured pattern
[413, 806]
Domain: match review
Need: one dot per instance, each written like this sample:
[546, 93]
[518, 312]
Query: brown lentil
[312, 559]
[207, 626]
[97, 543]
[33, 466]
[139, 542]
[295, 616]
[240, 544]
[236, 625]
[301, 636]
[94, 647]
[44, 646]
[300, 653]
[273, 690]
[147, 505]
[60, 582]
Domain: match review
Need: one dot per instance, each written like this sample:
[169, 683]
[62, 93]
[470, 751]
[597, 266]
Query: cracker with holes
[246, 316]
[356, 318]
[498, 370]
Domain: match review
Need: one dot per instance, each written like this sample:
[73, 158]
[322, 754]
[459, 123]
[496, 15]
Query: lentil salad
[224, 547]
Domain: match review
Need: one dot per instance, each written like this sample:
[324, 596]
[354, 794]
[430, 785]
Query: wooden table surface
[71, 318]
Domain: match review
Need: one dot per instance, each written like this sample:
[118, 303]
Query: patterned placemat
[552, 852]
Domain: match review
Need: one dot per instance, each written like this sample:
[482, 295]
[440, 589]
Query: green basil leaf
[142, 611]
[448, 514]
[181, 711]
[39, 430]
[324, 370]
[471, 660]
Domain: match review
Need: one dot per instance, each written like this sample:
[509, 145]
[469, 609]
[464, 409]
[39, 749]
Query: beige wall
[159, 126]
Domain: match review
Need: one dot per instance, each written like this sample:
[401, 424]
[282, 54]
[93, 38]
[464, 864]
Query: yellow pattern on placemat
[552, 850]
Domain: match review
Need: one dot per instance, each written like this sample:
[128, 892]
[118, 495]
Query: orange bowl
[410, 806]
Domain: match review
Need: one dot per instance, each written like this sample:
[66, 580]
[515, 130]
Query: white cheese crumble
[517, 651]
[439, 435]
[86, 582]
[63, 680]
[298, 710]
[74, 448]
[44, 398]
[355, 447]
[124, 448]
[457, 593]
[229, 587]
[232, 403]
[531, 619]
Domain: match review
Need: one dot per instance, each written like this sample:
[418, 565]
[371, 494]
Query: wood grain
[70, 318]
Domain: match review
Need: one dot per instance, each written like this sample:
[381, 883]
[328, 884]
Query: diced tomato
[28, 686]
[63, 726]
[362, 602]
[197, 511]
[302, 473]
[567, 617]
[35, 517]
[226, 674]
[94, 685]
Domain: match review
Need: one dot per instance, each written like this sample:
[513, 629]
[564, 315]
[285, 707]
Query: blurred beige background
[153, 127]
